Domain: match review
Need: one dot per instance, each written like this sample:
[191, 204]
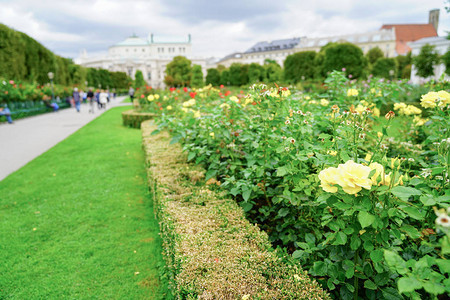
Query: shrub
[374, 54]
[213, 77]
[385, 67]
[345, 55]
[299, 66]
[178, 72]
[197, 77]
[426, 60]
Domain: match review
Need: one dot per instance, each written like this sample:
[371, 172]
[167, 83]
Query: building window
[135, 50]
[130, 71]
[149, 75]
[143, 50]
[126, 50]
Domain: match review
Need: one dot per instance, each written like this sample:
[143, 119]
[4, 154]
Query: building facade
[149, 55]
[276, 50]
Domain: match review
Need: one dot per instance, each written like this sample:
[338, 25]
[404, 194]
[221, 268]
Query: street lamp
[86, 84]
[391, 74]
[50, 76]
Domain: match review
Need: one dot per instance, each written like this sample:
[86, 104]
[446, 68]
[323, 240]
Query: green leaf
[365, 219]
[341, 238]
[310, 239]
[433, 288]
[395, 262]
[246, 206]
[413, 212]
[349, 273]
[210, 174]
[283, 212]
[330, 284]
[246, 194]
[376, 255]
[444, 265]
[408, 284]
[319, 268]
[391, 294]
[411, 231]
[404, 192]
[369, 284]
[355, 242]
[282, 171]
[297, 254]
[368, 245]
[191, 155]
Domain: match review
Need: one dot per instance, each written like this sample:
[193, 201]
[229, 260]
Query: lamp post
[86, 84]
[50, 76]
[391, 74]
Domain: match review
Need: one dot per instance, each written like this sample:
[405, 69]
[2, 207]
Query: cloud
[217, 28]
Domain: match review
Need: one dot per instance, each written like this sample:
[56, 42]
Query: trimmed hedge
[211, 250]
[133, 118]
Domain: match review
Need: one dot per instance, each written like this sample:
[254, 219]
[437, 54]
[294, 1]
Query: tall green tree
[345, 55]
[274, 72]
[238, 74]
[197, 77]
[374, 54]
[213, 77]
[256, 73]
[426, 60]
[225, 77]
[139, 79]
[179, 71]
[299, 65]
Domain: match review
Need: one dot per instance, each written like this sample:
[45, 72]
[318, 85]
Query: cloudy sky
[218, 27]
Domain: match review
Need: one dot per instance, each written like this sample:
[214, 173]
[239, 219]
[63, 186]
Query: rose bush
[334, 178]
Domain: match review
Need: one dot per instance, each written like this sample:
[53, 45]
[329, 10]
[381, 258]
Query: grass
[77, 222]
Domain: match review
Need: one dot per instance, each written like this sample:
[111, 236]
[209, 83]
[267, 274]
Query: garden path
[28, 138]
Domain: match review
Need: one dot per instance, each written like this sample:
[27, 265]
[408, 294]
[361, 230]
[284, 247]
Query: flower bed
[211, 250]
[358, 194]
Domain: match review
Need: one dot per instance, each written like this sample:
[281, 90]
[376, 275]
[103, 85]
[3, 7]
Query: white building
[276, 50]
[150, 55]
[442, 45]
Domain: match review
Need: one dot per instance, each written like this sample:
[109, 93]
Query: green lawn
[77, 222]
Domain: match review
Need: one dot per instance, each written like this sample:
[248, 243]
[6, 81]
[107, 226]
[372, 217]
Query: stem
[355, 279]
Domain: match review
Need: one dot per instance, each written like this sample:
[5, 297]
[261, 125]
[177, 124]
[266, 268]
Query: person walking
[76, 99]
[4, 111]
[131, 93]
[103, 99]
[90, 98]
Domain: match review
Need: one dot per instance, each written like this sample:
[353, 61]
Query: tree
[385, 67]
[403, 61]
[212, 77]
[299, 66]
[345, 55]
[256, 73]
[238, 74]
[138, 80]
[425, 61]
[179, 69]
[225, 77]
[197, 77]
[374, 54]
[274, 72]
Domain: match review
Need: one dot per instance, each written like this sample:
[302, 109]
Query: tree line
[309, 65]
[23, 58]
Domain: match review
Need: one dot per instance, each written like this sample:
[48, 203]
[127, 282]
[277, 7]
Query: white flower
[443, 220]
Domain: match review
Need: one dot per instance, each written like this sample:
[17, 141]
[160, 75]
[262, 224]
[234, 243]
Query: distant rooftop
[134, 40]
[274, 45]
[405, 33]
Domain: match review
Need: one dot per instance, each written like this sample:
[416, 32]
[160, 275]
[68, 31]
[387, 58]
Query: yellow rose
[224, 105]
[156, 96]
[429, 100]
[387, 180]
[189, 103]
[376, 112]
[444, 98]
[169, 107]
[324, 102]
[328, 178]
[234, 98]
[352, 92]
[418, 121]
[360, 109]
[332, 152]
[353, 177]
[150, 98]
[398, 106]
[285, 93]
[211, 134]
